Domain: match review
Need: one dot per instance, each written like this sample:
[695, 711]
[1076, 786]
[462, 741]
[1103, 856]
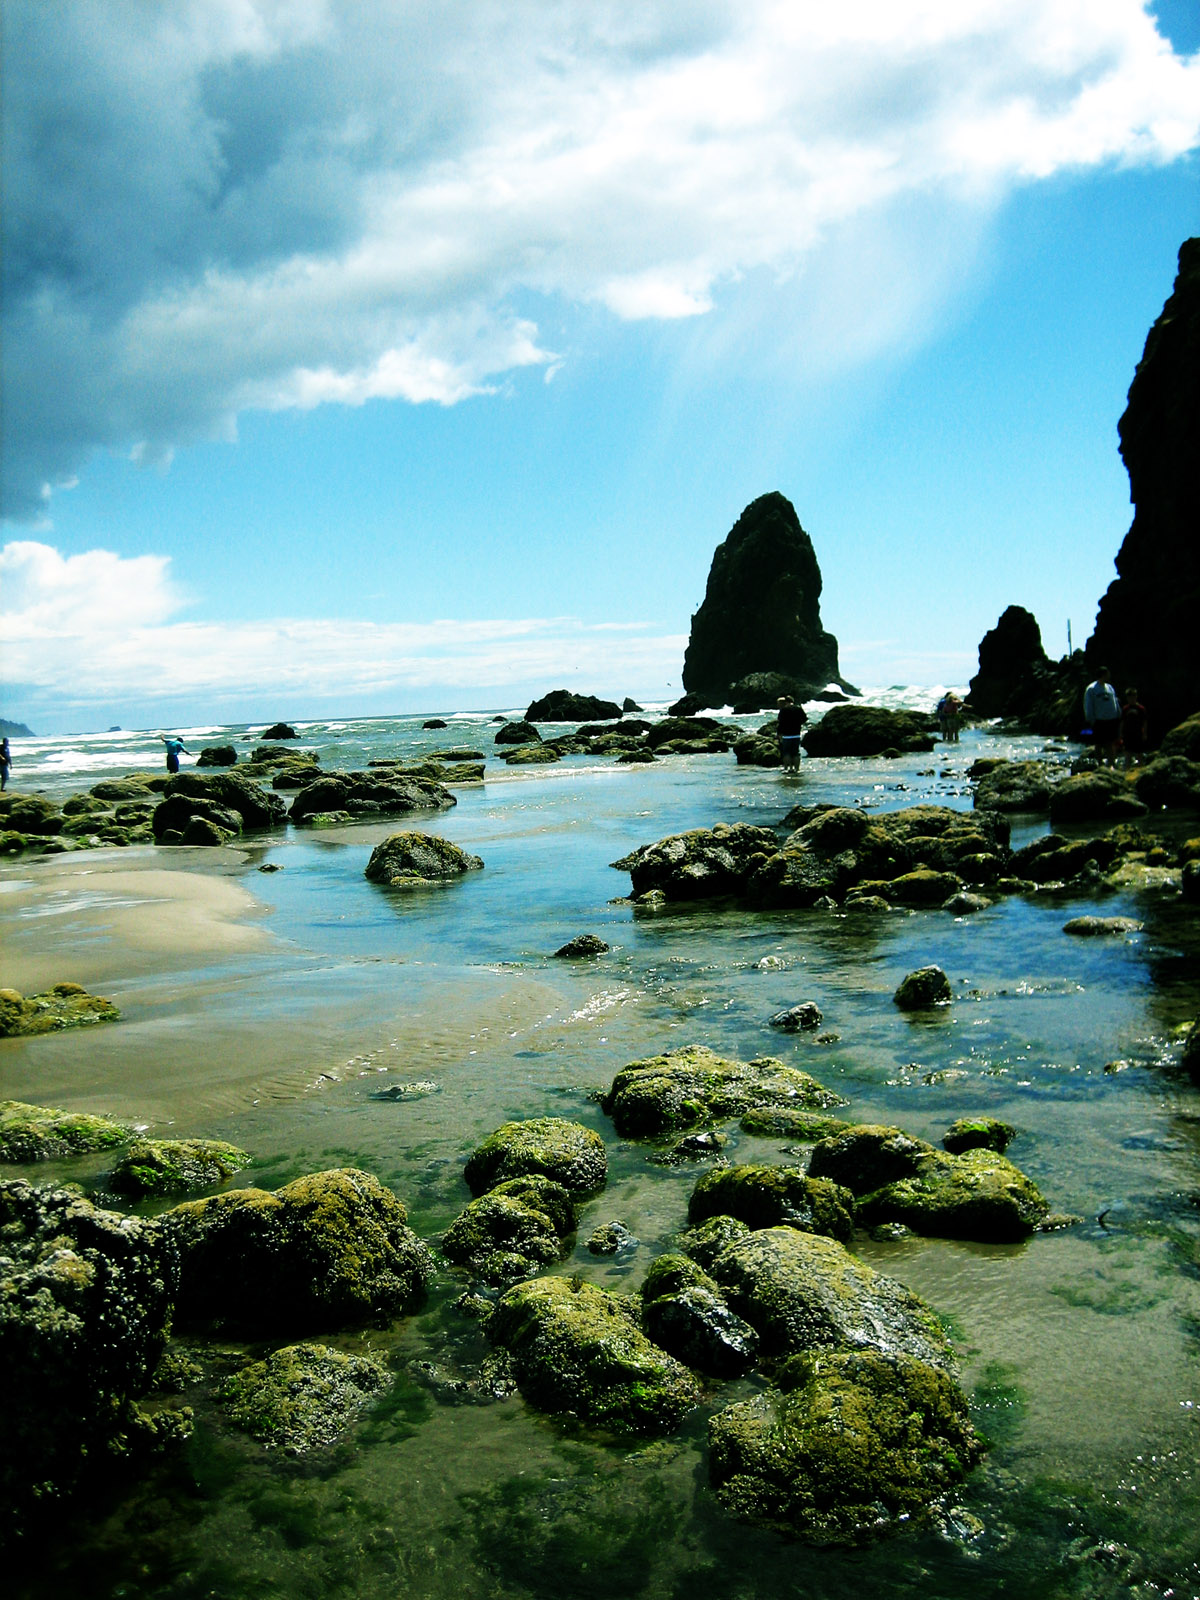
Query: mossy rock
[685, 1313]
[693, 1085]
[577, 1350]
[790, 1122]
[979, 1194]
[866, 1157]
[405, 859]
[801, 1290]
[567, 1152]
[328, 1250]
[41, 1133]
[171, 1166]
[705, 1243]
[859, 1444]
[765, 1196]
[300, 1398]
[923, 989]
[512, 1231]
[84, 1314]
[82, 805]
[978, 1133]
[65, 1005]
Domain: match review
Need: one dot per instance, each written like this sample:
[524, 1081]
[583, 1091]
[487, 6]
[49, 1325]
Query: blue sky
[366, 358]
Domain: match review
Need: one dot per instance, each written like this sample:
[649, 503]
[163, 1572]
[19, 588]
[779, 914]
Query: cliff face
[761, 611]
[1146, 628]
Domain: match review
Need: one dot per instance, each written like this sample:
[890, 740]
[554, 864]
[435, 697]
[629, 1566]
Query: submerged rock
[578, 1350]
[513, 1231]
[406, 859]
[923, 989]
[693, 1085]
[85, 1307]
[611, 1239]
[1102, 927]
[170, 1166]
[801, 1291]
[584, 944]
[42, 1133]
[805, 1014]
[790, 1122]
[766, 1197]
[849, 1446]
[300, 1398]
[327, 1250]
[66, 1005]
[978, 1133]
[552, 1147]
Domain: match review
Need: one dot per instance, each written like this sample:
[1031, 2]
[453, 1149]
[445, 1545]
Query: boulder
[512, 1231]
[1183, 739]
[1091, 796]
[923, 989]
[851, 1445]
[806, 1014]
[802, 1291]
[692, 1085]
[1171, 780]
[704, 732]
[757, 750]
[790, 1122]
[174, 816]
[302, 1397]
[1145, 627]
[978, 1133]
[257, 807]
[768, 1197]
[517, 733]
[567, 1152]
[172, 1166]
[685, 1313]
[611, 1239]
[688, 705]
[32, 813]
[1102, 927]
[533, 755]
[406, 859]
[584, 944]
[762, 691]
[329, 1249]
[761, 610]
[42, 1133]
[366, 795]
[578, 1350]
[705, 1243]
[65, 1005]
[85, 1309]
[560, 705]
[433, 722]
[867, 731]
[217, 755]
[280, 730]
[701, 864]
[1017, 786]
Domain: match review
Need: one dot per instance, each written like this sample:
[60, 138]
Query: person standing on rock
[5, 764]
[1102, 713]
[1133, 728]
[174, 746]
[792, 718]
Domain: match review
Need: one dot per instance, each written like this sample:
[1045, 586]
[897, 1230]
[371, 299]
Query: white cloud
[232, 203]
[95, 629]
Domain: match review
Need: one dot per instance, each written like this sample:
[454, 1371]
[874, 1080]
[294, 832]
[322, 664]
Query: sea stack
[1146, 626]
[760, 619]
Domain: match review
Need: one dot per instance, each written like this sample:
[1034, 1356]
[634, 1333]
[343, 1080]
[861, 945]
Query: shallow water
[1082, 1347]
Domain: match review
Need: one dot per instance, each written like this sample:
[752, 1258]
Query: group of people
[1116, 724]
[950, 712]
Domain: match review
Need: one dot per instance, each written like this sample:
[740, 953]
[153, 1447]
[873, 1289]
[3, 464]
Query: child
[1133, 727]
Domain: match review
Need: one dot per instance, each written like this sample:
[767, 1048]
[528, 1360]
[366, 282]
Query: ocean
[1079, 1347]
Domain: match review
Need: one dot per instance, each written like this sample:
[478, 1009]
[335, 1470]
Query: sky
[377, 356]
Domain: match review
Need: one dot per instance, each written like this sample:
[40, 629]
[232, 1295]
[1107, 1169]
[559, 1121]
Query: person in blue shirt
[1102, 713]
[174, 746]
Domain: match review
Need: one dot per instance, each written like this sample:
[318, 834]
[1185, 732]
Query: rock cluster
[65, 1005]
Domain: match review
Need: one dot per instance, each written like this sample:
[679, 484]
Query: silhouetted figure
[1102, 713]
[792, 718]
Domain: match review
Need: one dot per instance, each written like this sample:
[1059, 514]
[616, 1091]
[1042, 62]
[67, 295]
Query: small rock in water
[586, 944]
[611, 1239]
[271, 866]
[807, 1014]
[1101, 927]
[928, 986]
[964, 904]
[770, 964]
[407, 1091]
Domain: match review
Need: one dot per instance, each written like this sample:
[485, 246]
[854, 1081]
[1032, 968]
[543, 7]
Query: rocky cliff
[1146, 627]
[761, 613]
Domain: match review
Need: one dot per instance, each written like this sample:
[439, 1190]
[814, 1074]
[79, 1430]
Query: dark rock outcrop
[560, 705]
[366, 794]
[217, 755]
[517, 733]
[762, 608]
[1010, 659]
[280, 730]
[867, 731]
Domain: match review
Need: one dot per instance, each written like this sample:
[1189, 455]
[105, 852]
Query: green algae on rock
[764, 1197]
[567, 1152]
[404, 859]
[691, 1085]
[978, 1133]
[85, 1305]
[42, 1133]
[66, 1005]
[578, 1350]
[303, 1396]
[705, 1243]
[791, 1122]
[685, 1312]
[923, 989]
[329, 1249]
[801, 1290]
[849, 1446]
[170, 1166]
[513, 1230]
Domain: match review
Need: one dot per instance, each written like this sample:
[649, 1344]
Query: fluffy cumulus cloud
[221, 204]
[99, 629]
